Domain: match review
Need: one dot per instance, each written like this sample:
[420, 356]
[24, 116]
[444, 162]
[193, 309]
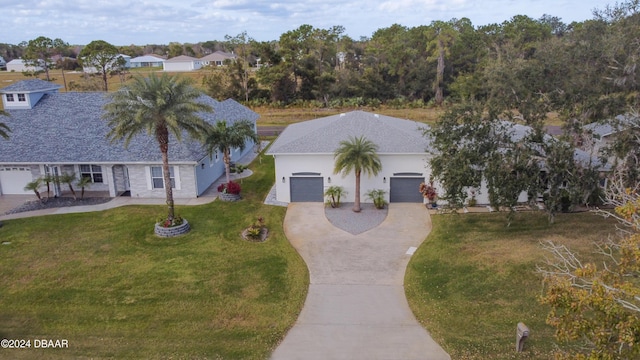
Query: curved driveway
[356, 307]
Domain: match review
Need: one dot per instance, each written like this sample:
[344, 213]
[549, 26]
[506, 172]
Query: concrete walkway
[356, 307]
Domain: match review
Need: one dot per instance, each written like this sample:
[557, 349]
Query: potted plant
[472, 201]
[429, 193]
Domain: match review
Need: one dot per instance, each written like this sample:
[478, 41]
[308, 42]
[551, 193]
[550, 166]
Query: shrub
[229, 188]
[177, 220]
[377, 195]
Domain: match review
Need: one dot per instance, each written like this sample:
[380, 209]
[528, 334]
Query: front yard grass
[474, 279]
[108, 285]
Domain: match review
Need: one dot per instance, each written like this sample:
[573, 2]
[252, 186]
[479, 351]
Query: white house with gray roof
[182, 63]
[304, 157]
[147, 61]
[56, 133]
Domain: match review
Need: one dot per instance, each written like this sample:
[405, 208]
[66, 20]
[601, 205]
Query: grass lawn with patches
[108, 285]
[474, 279]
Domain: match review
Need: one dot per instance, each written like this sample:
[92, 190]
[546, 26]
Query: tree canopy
[103, 57]
[161, 106]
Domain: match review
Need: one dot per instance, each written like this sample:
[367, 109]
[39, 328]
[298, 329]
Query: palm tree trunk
[163, 139]
[227, 164]
[356, 206]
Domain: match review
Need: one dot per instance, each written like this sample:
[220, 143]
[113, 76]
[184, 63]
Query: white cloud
[124, 22]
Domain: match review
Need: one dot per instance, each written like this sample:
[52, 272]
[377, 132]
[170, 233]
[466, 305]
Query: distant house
[18, 65]
[54, 133]
[3, 63]
[601, 136]
[147, 61]
[217, 58]
[182, 63]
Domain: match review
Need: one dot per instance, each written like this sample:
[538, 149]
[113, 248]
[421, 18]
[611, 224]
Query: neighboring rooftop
[29, 86]
[68, 127]
[182, 58]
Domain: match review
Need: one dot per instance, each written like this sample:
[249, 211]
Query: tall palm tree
[223, 138]
[4, 129]
[159, 105]
[357, 154]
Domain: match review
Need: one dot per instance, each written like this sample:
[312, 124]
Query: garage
[405, 189]
[13, 179]
[307, 189]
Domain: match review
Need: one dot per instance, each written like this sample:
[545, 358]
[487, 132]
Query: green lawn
[474, 279]
[108, 285]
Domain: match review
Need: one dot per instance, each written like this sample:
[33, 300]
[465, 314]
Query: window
[10, 97]
[21, 97]
[157, 181]
[93, 172]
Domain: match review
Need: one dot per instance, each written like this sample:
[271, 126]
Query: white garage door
[13, 179]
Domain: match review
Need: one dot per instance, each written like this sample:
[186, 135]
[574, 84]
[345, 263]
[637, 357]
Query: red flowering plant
[229, 188]
[428, 191]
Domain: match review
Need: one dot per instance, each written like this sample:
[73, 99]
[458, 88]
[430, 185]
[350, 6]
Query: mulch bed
[56, 202]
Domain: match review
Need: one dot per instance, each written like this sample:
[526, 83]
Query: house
[18, 65]
[601, 136]
[217, 58]
[3, 63]
[55, 133]
[182, 63]
[304, 157]
[147, 61]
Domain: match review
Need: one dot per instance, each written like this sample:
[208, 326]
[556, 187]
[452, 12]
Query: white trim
[176, 177]
[147, 171]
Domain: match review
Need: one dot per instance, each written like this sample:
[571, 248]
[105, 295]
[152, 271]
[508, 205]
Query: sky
[142, 22]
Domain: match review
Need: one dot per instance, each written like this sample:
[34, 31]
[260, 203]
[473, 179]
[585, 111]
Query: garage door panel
[13, 179]
[405, 190]
[306, 189]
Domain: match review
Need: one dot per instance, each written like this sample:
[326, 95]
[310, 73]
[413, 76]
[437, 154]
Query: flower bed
[177, 230]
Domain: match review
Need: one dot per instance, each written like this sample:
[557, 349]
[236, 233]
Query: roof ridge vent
[376, 115]
[343, 115]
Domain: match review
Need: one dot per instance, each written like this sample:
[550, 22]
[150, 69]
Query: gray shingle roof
[32, 85]
[68, 127]
[181, 58]
[392, 135]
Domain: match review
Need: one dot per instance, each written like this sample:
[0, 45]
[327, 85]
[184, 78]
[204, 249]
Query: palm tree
[4, 129]
[357, 154]
[160, 106]
[223, 138]
[69, 178]
[83, 183]
[35, 187]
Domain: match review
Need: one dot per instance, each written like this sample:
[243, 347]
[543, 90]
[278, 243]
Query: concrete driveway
[356, 307]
